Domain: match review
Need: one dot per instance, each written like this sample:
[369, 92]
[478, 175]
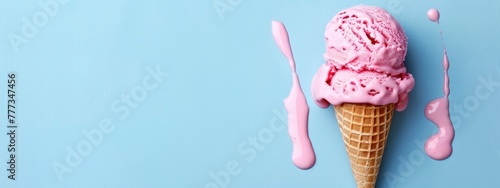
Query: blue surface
[222, 84]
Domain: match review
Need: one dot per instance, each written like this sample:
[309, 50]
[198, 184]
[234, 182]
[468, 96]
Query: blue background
[225, 85]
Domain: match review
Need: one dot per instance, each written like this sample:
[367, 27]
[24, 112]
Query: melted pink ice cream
[296, 106]
[365, 50]
[438, 146]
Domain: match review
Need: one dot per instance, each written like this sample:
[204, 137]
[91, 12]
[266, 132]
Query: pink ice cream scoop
[365, 51]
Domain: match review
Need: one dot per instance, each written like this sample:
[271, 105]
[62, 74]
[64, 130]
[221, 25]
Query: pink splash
[438, 146]
[296, 106]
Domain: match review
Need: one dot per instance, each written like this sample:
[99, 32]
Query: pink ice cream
[365, 50]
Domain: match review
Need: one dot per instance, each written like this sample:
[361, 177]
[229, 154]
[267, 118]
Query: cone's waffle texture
[364, 129]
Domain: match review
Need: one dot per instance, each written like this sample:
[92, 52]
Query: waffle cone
[364, 129]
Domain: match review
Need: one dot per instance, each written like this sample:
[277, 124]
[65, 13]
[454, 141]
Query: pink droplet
[433, 15]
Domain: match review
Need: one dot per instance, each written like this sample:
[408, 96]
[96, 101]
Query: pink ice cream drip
[365, 51]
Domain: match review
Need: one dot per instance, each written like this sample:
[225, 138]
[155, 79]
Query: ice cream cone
[364, 129]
